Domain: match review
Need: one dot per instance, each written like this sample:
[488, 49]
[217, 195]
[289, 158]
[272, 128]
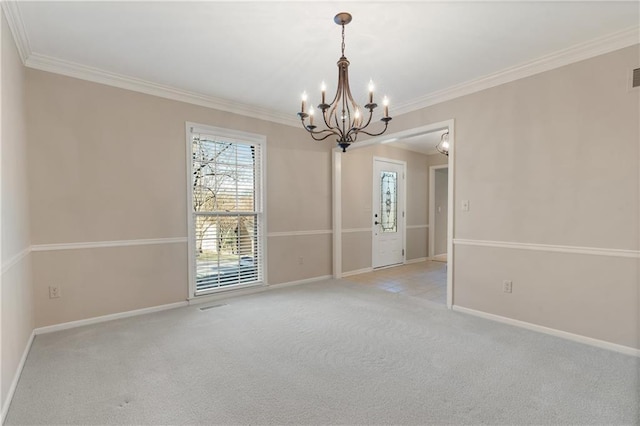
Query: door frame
[432, 208]
[402, 205]
[336, 183]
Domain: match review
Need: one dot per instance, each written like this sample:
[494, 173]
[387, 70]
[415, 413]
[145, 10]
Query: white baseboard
[357, 272]
[252, 290]
[418, 260]
[12, 389]
[104, 318]
[299, 282]
[552, 331]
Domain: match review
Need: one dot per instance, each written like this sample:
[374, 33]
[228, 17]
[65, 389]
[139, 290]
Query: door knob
[376, 223]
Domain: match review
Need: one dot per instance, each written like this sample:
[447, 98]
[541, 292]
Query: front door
[388, 212]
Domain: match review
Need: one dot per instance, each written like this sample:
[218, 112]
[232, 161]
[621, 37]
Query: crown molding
[619, 40]
[71, 69]
[16, 25]
[96, 75]
[579, 52]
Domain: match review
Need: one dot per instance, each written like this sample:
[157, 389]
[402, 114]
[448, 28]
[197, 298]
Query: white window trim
[231, 136]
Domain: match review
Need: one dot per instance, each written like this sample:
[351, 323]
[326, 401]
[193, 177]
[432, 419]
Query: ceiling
[262, 55]
[424, 143]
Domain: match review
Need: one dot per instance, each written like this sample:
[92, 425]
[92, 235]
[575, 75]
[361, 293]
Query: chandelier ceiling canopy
[343, 117]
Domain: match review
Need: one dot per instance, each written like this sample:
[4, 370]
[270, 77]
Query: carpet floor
[331, 352]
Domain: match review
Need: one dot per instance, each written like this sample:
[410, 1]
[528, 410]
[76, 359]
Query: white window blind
[227, 212]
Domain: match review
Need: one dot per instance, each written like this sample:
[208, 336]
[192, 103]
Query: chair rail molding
[299, 233]
[596, 251]
[102, 244]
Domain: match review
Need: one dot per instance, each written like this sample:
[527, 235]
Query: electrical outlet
[465, 205]
[54, 291]
[300, 260]
[507, 286]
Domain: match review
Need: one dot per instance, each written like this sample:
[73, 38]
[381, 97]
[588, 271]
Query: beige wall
[437, 159]
[16, 294]
[299, 257]
[109, 164]
[551, 159]
[357, 193]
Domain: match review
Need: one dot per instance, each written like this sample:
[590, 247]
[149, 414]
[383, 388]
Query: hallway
[426, 280]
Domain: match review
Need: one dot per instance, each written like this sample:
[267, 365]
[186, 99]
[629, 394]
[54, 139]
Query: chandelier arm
[334, 102]
[332, 121]
[348, 99]
[337, 132]
[368, 122]
[317, 138]
[337, 121]
[353, 136]
[324, 117]
[330, 130]
[333, 116]
[317, 132]
[338, 97]
[376, 134]
[333, 130]
[345, 117]
[312, 131]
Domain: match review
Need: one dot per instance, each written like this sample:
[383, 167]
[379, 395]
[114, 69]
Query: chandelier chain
[343, 40]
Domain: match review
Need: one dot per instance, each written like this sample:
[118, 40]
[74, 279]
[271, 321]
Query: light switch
[465, 205]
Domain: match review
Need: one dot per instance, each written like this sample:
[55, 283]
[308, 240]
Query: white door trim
[451, 213]
[403, 204]
[432, 207]
[336, 180]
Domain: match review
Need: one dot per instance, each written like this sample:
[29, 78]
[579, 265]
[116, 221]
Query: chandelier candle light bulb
[304, 100]
[342, 117]
[323, 88]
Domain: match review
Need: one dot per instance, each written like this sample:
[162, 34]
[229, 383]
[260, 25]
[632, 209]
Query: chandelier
[343, 117]
[443, 146]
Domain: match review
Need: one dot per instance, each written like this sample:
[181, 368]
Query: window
[226, 209]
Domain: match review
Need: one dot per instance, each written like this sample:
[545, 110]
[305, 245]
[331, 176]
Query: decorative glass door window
[389, 201]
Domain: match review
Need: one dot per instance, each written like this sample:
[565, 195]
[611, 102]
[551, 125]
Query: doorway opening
[438, 212]
[351, 240]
